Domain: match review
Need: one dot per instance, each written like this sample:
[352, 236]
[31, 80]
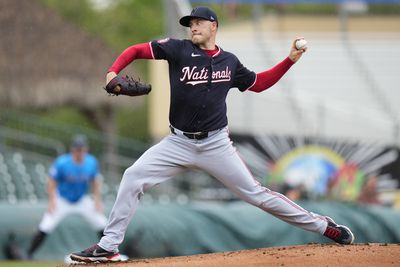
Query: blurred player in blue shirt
[70, 178]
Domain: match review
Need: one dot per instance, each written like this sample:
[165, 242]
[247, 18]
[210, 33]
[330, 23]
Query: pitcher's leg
[226, 165]
[156, 165]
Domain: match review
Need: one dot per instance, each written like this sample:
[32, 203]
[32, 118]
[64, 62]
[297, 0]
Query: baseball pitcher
[201, 75]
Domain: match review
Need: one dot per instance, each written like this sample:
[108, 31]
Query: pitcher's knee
[258, 197]
[253, 201]
[136, 180]
[134, 172]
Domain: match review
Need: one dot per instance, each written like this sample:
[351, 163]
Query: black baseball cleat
[339, 233]
[95, 254]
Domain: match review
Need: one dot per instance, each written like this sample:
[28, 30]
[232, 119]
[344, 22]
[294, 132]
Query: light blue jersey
[73, 179]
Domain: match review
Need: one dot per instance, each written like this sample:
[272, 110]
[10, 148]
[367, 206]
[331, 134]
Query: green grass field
[29, 264]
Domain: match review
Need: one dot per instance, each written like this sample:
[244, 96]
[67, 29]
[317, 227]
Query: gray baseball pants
[215, 155]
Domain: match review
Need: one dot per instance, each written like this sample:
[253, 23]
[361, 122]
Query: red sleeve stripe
[251, 86]
[151, 50]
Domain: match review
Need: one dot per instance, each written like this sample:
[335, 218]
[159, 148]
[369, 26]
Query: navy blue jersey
[200, 83]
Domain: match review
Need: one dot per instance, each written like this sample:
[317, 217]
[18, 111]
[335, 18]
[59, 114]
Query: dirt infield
[295, 256]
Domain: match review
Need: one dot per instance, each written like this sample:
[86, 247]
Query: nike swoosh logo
[96, 254]
[195, 55]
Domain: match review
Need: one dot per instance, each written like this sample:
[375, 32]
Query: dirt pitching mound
[294, 256]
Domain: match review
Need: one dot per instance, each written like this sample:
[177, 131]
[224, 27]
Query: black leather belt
[196, 136]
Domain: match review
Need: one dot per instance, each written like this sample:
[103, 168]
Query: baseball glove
[127, 86]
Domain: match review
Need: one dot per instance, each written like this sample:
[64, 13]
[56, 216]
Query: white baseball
[301, 44]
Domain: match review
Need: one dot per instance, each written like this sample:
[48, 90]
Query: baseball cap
[199, 13]
[79, 141]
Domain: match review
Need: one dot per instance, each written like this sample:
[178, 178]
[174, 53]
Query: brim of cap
[79, 146]
[184, 21]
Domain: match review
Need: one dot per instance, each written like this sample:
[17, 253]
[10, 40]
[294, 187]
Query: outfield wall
[168, 230]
